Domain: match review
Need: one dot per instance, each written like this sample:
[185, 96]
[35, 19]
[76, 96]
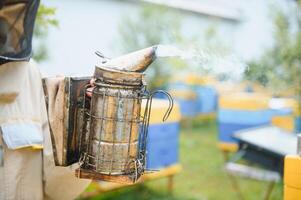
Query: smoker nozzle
[137, 61]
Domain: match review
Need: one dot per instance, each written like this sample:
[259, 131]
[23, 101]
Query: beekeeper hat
[17, 19]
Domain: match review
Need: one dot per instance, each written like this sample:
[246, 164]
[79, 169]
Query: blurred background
[246, 75]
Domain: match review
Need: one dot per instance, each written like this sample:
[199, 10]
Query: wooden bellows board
[64, 101]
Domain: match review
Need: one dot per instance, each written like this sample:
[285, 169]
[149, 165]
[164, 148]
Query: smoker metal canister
[119, 108]
[115, 120]
[114, 158]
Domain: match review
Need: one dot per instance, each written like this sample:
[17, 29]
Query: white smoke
[208, 60]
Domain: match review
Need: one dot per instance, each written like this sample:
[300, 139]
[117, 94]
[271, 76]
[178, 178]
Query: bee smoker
[114, 143]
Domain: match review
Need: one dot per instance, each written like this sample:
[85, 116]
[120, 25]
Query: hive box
[205, 95]
[187, 99]
[292, 177]
[241, 111]
[287, 114]
[163, 137]
[207, 99]
[162, 145]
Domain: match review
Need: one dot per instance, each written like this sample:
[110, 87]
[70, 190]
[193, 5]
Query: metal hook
[98, 53]
[101, 55]
[171, 102]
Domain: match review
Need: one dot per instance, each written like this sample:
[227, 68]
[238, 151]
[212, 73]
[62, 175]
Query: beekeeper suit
[27, 169]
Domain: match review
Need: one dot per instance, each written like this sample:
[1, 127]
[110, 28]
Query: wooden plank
[168, 171]
[54, 89]
[121, 179]
[64, 98]
[102, 186]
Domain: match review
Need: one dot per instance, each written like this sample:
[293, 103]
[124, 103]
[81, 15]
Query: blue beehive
[195, 95]
[163, 137]
[207, 99]
[241, 111]
[298, 124]
[187, 99]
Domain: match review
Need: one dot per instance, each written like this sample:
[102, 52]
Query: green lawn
[202, 176]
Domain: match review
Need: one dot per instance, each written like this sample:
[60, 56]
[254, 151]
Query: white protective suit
[27, 170]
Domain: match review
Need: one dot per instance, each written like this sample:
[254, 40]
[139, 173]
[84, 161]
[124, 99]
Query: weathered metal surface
[114, 158]
[121, 111]
[137, 61]
[118, 77]
[77, 132]
[123, 179]
[114, 127]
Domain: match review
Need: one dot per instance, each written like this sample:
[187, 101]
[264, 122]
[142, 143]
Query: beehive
[224, 88]
[187, 99]
[163, 138]
[240, 111]
[207, 99]
[292, 177]
[195, 94]
[287, 115]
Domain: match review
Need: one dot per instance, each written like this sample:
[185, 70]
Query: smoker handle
[170, 99]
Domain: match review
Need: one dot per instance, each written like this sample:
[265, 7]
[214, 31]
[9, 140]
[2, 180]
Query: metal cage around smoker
[117, 132]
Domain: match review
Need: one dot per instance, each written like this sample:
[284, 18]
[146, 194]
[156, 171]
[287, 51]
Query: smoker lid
[17, 19]
[137, 61]
[118, 77]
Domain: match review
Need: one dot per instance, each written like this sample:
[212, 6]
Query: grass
[202, 177]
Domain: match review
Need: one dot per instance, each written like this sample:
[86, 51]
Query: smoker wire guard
[86, 170]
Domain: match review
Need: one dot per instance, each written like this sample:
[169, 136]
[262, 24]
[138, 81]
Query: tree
[45, 19]
[280, 67]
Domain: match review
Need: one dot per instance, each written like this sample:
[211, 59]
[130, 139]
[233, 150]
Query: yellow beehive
[244, 101]
[284, 122]
[292, 177]
[194, 79]
[287, 122]
[227, 147]
[228, 87]
[183, 94]
[158, 109]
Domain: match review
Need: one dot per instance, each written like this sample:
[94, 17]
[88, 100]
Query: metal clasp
[171, 103]
[146, 119]
[1, 156]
